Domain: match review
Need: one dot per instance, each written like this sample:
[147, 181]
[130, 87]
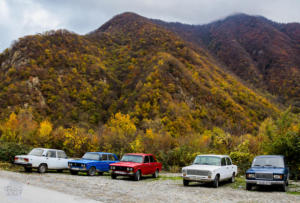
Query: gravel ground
[168, 188]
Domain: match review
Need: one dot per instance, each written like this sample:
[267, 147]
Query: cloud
[19, 17]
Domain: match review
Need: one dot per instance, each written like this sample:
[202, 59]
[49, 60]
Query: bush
[8, 150]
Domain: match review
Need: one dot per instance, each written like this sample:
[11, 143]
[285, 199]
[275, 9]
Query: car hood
[83, 161]
[126, 164]
[265, 170]
[202, 167]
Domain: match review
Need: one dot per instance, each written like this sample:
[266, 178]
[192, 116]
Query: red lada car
[136, 165]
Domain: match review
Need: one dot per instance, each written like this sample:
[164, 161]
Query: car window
[51, 154]
[61, 154]
[91, 156]
[104, 156]
[152, 159]
[223, 162]
[228, 161]
[146, 159]
[111, 157]
[36, 152]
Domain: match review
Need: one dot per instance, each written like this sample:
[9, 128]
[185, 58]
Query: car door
[223, 170]
[229, 167]
[153, 164]
[146, 166]
[62, 160]
[104, 164]
[51, 159]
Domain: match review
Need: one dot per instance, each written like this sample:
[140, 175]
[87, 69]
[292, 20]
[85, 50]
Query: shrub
[8, 150]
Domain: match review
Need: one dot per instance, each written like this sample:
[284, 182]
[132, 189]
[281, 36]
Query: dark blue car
[93, 162]
[268, 170]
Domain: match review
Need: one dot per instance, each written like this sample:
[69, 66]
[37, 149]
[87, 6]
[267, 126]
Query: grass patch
[10, 167]
[239, 183]
[293, 192]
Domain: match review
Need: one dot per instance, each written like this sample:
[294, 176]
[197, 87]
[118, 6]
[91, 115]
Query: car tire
[232, 179]
[284, 187]
[248, 186]
[28, 169]
[42, 168]
[137, 175]
[216, 181]
[113, 176]
[92, 171]
[155, 174]
[73, 172]
[186, 182]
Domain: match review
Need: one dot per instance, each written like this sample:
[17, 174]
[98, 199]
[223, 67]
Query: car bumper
[29, 165]
[266, 182]
[123, 173]
[77, 169]
[197, 178]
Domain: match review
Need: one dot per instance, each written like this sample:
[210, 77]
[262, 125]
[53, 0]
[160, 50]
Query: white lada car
[209, 168]
[43, 159]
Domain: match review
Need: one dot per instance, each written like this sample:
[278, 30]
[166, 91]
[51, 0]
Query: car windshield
[208, 160]
[268, 162]
[132, 158]
[36, 152]
[91, 156]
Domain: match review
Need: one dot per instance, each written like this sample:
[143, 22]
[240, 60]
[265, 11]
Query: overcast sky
[24, 17]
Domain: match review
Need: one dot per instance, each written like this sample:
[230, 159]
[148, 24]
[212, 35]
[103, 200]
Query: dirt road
[168, 188]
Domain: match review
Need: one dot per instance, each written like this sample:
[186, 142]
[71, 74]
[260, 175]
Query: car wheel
[284, 187]
[232, 179]
[92, 171]
[42, 168]
[186, 182]
[73, 172]
[216, 182]
[137, 175]
[113, 176]
[248, 186]
[28, 169]
[155, 175]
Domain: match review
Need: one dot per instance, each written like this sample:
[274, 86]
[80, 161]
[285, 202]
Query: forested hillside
[131, 85]
[261, 52]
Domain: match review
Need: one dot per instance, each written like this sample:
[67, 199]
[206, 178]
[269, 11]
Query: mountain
[133, 65]
[263, 53]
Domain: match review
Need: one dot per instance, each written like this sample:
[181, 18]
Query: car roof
[217, 155]
[139, 154]
[269, 156]
[49, 149]
[100, 152]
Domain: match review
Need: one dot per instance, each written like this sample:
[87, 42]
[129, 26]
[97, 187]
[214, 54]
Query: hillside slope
[131, 65]
[261, 52]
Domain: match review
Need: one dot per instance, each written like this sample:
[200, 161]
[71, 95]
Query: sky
[26, 17]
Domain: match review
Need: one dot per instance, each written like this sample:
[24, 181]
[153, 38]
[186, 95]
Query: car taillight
[26, 159]
[16, 158]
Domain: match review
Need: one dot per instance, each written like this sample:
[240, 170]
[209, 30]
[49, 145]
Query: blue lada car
[268, 170]
[93, 162]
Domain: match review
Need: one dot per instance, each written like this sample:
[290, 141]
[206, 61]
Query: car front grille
[265, 176]
[121, 168]
[76, 164]
[197, 172]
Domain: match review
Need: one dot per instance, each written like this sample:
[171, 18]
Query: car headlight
[277, 176]
[184, 172]
[129, 169]
[82, 165]
[250, 175]
[112, 167]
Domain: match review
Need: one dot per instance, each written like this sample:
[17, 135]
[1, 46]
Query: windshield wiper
[256, 165]
[268, 165]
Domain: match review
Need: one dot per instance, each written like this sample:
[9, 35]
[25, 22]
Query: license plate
[263, 183]
[120, 172]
